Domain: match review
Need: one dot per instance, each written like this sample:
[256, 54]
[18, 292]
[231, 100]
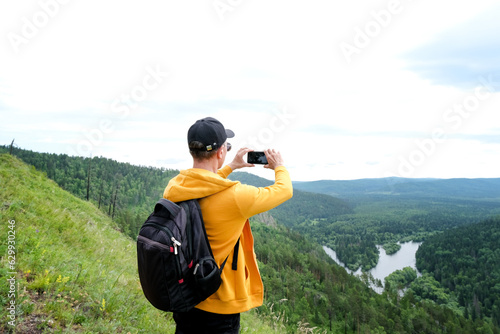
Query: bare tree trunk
[11, 146]
[100, 194]
[111, 200]
[88, 179]
[114, 201]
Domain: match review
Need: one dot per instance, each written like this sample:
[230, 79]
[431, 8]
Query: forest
[466, 263]
[460, 268]
[302, 282]
[303, 285]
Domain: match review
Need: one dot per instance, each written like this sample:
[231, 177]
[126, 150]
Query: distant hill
[452, 188]
[251, 179]
[303, 205]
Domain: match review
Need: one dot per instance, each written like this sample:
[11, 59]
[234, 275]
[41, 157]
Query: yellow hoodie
[226, 206]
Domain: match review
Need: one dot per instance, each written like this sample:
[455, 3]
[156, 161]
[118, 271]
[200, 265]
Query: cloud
[461, 55]
[492, 138]
[275, 77]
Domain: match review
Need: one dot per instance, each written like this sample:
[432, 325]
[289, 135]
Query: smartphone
[257, 158]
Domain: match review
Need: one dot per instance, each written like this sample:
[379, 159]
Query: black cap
[210, 132]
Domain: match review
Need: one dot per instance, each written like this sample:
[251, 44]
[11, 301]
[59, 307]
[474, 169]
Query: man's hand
[238, 161]
[274, 159]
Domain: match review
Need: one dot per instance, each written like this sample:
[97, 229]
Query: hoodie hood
[195, 183]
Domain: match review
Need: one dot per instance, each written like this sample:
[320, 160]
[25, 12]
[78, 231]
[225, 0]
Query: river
[387, 264]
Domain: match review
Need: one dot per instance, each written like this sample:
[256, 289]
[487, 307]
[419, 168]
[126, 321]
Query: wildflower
[103, 308]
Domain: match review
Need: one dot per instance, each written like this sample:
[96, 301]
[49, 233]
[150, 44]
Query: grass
[75, 271]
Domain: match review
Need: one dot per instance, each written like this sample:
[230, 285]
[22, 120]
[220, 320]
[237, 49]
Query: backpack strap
[185, 206]
[169, 205]
[189, 230]
[235, 255]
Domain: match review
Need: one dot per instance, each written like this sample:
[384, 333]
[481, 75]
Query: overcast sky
[345, 90]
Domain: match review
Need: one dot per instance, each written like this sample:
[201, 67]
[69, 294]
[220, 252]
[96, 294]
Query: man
[226, 207]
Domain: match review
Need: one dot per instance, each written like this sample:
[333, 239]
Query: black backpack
[177, 269]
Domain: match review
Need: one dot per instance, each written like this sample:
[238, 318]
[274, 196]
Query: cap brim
[229, 133]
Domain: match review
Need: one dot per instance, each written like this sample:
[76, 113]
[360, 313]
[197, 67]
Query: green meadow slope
[75, 272]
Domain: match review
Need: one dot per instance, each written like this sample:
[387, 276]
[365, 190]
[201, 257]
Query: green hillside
[74, 270]
[121, 190]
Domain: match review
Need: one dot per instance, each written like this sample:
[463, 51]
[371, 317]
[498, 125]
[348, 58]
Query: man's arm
[254, 200]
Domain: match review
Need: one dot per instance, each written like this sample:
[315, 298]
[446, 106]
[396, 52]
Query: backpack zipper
[154, 243]
[176, 243]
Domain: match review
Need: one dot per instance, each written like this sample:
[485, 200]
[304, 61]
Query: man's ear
[220, 153]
